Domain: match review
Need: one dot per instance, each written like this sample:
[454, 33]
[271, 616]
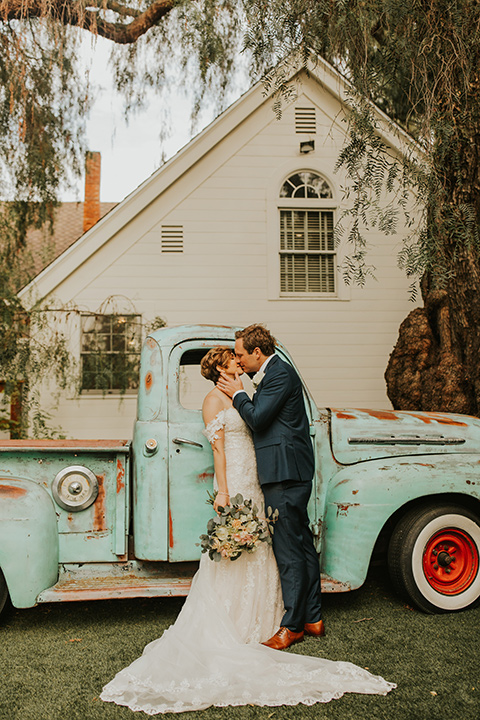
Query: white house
[236, 228]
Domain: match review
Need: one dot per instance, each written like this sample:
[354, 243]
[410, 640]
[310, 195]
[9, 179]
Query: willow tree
[46, 93]
[45, 97]
[420, 61]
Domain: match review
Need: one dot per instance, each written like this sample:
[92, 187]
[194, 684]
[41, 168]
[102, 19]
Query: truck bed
[55, 445]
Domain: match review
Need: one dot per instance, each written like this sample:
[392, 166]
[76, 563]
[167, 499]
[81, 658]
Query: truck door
[190, 454]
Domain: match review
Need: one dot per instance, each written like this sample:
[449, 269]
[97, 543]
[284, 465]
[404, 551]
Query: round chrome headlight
[75, 488]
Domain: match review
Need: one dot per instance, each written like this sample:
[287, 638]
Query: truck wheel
[433, 558]
[3, 592]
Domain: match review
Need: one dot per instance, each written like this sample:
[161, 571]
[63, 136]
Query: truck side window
[192, 387]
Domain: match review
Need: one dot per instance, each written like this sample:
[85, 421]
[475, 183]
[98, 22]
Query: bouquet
[236, 528]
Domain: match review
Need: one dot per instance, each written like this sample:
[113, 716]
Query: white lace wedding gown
[212, 654]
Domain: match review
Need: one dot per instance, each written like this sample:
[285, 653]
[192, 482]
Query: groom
[285, 464]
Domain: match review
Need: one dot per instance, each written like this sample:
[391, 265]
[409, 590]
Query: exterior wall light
[307, 146]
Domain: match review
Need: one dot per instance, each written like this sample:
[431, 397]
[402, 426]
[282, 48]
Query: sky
[131, 152]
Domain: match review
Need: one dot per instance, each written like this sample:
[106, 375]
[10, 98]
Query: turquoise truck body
[100, 519]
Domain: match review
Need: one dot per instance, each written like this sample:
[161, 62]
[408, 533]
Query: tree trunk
[16, 412]
[428, 368]
[435, 364]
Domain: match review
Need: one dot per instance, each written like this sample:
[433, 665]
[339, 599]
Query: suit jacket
[277, 417]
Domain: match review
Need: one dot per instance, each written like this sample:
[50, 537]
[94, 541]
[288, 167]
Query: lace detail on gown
[211, 430]
[233, 607]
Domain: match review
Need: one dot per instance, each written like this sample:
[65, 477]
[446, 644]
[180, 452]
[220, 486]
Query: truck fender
[28, 539]
[362, 497]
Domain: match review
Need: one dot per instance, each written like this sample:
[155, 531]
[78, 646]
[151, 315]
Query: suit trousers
[295, 553]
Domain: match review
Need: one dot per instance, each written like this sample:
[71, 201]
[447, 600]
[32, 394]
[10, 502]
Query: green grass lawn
[54, 659]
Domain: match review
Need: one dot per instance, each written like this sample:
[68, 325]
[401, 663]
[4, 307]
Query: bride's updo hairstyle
[216, 357]
[255, 336]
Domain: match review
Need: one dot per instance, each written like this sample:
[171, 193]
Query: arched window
[307, 247]
[305, 185]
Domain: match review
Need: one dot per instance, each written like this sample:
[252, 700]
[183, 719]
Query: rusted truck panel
[29, 539]
[86, 483]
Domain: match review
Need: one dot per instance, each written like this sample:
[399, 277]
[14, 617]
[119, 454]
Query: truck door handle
[182, 441]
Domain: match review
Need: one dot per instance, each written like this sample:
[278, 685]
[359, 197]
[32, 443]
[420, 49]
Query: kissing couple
[223, 648]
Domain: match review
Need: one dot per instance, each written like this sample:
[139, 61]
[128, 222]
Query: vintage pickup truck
[92, 519]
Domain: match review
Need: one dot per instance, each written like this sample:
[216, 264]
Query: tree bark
[426, 370]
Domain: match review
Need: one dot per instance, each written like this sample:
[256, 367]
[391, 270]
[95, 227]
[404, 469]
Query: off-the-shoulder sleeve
[211, 430]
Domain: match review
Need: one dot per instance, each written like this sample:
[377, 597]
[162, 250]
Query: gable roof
[42, 247]
[89, 243]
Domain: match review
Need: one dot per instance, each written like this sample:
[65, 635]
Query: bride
[212, 654]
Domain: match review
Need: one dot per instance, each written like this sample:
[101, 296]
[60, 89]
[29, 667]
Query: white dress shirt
[262, 369]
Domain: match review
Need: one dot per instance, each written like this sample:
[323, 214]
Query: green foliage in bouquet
[236, 528]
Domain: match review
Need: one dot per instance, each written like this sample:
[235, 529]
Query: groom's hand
[229, 385]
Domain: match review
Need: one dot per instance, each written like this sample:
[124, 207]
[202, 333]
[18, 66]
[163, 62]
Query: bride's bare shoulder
[214, 402]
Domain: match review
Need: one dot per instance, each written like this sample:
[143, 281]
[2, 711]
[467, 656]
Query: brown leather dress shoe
[283, 638]
[315, 629]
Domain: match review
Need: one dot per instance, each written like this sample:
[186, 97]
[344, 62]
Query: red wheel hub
[450, 561]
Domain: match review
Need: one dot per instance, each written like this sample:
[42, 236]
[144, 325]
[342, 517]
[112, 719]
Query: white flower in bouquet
[222, 532]
[236, 528]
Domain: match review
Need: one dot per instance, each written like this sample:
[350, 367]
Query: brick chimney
[91, 206]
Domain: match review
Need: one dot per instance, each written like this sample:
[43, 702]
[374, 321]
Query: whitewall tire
[434, 557]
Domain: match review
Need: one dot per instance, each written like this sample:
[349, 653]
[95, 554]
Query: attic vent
[172, 238]
[305, 120]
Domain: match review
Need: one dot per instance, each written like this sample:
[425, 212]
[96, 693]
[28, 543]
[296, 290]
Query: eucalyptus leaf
[210, 525]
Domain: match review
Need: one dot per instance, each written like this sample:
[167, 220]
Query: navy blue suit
[285, 464]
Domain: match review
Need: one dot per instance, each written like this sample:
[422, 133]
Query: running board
[135, 580]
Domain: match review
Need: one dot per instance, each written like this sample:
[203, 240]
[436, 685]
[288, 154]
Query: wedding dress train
[212, 654]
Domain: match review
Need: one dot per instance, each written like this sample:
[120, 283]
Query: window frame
[307, 205]
[131, 318]
[307, 253]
